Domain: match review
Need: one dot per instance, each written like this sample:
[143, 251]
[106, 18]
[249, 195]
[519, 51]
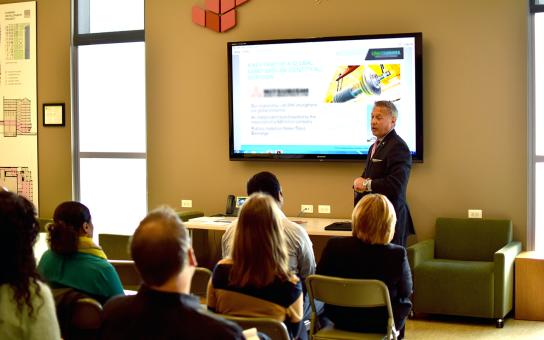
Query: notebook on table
[342, 226]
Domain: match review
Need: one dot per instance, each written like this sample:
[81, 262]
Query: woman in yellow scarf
[74, 260]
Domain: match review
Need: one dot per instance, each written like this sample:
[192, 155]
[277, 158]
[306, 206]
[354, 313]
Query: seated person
[299, 245]
[368, 254]
[256, 281]
[74, 260]
[163, 308]
[27, 309]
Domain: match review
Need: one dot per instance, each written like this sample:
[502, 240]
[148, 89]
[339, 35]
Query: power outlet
[186, 203]
[474, 213]
[324, 209]
[306, 208]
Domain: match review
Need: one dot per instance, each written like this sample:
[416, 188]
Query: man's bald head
[159, 246]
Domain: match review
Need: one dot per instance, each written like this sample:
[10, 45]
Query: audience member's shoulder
[286, 222]
[218, 327]
[224, 262]
[118, 303]
[341, 241]
[231, 226]
[294, 279]
[45, 291]
[47, 257]
[100, 264]
[221, 273]
[91, 259]
[397, 249]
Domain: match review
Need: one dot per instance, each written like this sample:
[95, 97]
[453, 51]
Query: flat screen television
[311, 99]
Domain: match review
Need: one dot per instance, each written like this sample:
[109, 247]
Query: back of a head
[374, 219]
[64, 232]
[159, 246]
[265, 182]
[18, 230]
[259, 251]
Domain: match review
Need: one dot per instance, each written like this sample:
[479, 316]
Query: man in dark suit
[388, 168]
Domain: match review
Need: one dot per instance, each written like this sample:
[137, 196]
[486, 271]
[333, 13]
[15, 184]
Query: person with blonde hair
[368, 254]
[256, 280]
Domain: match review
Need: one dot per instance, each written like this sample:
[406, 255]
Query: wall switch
[306, 208]
[186, 203]
[474, 213]
[324, 209]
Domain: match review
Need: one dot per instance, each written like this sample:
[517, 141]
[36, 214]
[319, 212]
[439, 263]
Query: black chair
[274, 329]
[199, 283]
[79, 316]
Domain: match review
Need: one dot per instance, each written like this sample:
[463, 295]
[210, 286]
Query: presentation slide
[316, 97]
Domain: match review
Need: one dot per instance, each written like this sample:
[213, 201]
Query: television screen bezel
[417, 156]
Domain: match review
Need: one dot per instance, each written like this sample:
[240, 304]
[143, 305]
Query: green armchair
[468, 269]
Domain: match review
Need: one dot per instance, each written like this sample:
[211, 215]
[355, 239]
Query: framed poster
[18, 100]
[53, 114]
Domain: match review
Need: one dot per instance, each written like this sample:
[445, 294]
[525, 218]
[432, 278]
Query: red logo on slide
[219, 15]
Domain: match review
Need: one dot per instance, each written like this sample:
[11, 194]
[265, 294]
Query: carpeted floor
[446, 328]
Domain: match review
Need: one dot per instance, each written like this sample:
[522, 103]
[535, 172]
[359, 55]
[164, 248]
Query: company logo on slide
[219, 15]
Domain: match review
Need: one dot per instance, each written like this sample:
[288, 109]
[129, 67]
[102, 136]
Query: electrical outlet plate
[474, 213]
[306, 208]
[324, 209]
[186, 203]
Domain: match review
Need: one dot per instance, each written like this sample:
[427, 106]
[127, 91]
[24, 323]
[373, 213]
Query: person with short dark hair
[162, 308]
[369, 254]
[74, 260]
[27, 309]
[388, 168]
[256, 280]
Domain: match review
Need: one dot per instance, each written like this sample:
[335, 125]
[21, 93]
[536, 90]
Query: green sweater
[86, 273]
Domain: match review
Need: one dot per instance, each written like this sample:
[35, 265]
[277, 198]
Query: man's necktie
[374, 148]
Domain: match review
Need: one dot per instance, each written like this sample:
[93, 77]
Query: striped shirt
[280, 300]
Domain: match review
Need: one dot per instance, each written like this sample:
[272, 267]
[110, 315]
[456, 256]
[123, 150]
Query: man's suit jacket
[349, 257]
[389, 169]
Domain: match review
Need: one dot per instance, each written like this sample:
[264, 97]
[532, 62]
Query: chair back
[79, 316]
[469, 239]
[128, 274]
[349, 293]
[199, 283]
[87, 314]
[115, 246]
[275, 329]
[187, 215]
[43, 223]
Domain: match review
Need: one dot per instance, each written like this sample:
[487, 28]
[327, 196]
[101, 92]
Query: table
[529, 284]
[314, 226]
[207, 232]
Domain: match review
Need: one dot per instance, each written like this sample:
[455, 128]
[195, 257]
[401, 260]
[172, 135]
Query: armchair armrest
[504, 277]
[420, 252]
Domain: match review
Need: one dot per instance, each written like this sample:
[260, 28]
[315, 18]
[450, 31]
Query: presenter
[387, 168]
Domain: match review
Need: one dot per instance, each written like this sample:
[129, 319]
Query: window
[96, 16]
[109, 122]
[536, 124]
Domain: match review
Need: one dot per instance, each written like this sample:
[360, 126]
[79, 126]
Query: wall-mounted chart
[18, 95]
